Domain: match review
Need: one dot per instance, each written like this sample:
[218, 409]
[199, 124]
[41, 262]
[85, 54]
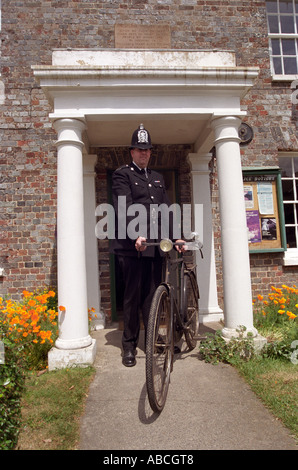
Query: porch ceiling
[165, 130]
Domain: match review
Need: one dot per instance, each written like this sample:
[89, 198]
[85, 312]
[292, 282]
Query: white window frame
[291, 254]
[283, 77]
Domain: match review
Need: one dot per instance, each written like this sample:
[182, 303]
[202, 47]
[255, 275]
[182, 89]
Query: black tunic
[150, 192]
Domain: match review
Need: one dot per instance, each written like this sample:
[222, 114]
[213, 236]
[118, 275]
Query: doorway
[171, 182]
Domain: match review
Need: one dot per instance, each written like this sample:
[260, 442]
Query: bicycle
[173, 312]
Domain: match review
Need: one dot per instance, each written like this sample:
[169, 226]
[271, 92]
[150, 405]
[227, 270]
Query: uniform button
[152, 197]
[149, 185]
[136, 183]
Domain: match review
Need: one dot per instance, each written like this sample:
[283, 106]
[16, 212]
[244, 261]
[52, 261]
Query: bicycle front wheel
[159, 350]
[191, 310]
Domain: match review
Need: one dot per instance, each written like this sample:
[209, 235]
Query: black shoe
[129, 359]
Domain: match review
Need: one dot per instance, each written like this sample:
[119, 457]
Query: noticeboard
[264, 210]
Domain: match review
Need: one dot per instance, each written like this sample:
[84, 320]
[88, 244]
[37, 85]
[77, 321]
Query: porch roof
[175, 93]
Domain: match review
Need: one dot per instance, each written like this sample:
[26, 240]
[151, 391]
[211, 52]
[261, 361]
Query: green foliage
[216, 349]
[11, 389]
[276, 318]
[26, 330]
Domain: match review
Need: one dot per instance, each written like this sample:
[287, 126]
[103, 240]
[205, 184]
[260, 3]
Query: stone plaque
[139, 36]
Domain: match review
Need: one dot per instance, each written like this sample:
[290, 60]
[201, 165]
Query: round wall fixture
[245, 133]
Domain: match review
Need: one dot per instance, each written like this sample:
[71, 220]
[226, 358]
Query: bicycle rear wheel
[159, 351]
[191, 309]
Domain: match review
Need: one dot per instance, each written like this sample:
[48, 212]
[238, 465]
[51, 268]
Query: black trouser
[141, 278]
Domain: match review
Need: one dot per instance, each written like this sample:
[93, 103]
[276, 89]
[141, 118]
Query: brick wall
[32, 29]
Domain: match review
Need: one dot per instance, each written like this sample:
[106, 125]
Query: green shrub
[11, 388]
[216, 349]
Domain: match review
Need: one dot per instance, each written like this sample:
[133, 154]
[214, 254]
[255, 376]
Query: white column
[74, 344]
[206, 271]
[235, 254]
[93, 282]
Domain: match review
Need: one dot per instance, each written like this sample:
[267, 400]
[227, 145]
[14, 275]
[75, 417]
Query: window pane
[290, 65]
[273, 24]
[286, 166]
[289, 213]
[275, 45]
[288, 47]
[271, 7]
[291, 237]
[285, 6]
[277, 65]
[296, 181]
[287, 24]
[287, 190]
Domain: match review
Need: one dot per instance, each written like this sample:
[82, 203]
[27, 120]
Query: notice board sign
[264, 210]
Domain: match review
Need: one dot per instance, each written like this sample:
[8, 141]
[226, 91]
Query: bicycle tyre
[159, 349]
[191, 309]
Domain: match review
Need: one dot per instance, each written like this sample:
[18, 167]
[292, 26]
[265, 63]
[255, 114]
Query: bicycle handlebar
[167, 245]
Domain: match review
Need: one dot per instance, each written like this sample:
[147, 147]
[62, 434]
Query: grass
[54, 401]
[275, 382]
[52, 405]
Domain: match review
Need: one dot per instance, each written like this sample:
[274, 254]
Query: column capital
[199, 162]
[226, 128]
[89, 162]
[69, 131]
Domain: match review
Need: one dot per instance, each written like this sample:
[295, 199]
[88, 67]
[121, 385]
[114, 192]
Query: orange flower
[291, 314]
[26, 293]
[34, 318]
[61, 308]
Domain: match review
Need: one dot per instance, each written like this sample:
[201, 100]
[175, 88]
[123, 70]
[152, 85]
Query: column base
[63, 358]
[258, 340]
[210, 315]
[98, 321]
[229, 333]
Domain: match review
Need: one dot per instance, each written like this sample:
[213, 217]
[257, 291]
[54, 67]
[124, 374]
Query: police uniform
[149, 191]
[141, 270]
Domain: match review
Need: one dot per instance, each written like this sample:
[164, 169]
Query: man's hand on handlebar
[180, 248]
[138, 244]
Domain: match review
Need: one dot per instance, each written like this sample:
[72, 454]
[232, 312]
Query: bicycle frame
[177, 306]
[172, 315]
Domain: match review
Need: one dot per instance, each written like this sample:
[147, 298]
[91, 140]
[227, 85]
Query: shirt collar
[139, 167]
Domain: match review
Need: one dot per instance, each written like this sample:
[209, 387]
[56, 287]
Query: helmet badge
[142, 135]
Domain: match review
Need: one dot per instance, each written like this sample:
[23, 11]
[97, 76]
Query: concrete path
[208, 407]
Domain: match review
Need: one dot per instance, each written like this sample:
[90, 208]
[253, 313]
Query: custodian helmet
[141, 138]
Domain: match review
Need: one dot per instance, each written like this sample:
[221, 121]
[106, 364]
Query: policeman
[141, 265]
